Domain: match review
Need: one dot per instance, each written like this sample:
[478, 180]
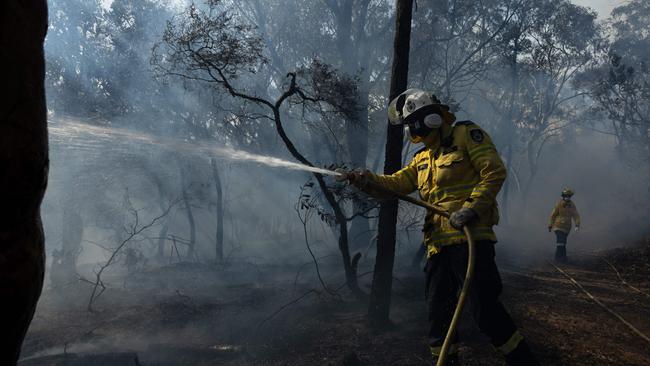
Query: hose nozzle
[343, 175]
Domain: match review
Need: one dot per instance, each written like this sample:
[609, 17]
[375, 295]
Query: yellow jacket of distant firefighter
[561, 216]
[459, 167]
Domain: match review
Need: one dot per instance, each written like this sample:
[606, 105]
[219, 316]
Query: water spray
[83, 136]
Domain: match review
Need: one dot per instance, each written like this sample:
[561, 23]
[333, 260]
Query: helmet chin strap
[407, 130]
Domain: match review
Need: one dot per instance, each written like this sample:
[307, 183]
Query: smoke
[610, 197]
[143, 140]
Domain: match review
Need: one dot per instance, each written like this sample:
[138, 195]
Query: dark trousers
[445, 273]
[560, 249]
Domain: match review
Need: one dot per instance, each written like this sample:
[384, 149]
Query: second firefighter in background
[563, 213]
[460, 170]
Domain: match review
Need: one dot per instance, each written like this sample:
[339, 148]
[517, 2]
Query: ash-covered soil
[197, 314]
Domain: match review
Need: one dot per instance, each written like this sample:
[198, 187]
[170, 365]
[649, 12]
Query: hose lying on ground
[469, 274]
[628, 324]
[618, 274]
[623, 281]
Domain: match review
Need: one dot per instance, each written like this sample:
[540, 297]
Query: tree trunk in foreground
[380, 295]
[23, 168]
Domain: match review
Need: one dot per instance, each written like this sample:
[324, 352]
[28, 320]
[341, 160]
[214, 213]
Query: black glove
[462, 217]
[358, 177]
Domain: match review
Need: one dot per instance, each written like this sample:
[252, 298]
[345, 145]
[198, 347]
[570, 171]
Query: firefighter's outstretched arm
[403, 181]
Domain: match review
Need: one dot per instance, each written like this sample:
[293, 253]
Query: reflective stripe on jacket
[561, 216]
[463, 169]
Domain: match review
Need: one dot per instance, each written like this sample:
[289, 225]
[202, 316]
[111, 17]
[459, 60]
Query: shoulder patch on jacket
[465, 123]
[477, 135]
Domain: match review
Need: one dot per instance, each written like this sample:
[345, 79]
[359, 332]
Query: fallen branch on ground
[98, 285]
[298, 299]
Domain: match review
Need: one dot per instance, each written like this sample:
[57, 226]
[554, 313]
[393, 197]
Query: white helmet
[420, 111]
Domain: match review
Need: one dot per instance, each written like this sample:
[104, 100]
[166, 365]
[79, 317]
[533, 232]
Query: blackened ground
[189, 314]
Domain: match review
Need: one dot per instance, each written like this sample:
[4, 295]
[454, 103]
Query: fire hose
[469, 274]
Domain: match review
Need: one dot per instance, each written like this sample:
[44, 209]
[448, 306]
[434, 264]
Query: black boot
[521, 356]
[560, 253]
[452, 360]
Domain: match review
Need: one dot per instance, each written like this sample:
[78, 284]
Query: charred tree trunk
[162, 194]
[190, 215]
[191, 222]
[351, 42]
[23, 168]
[162, 239]
[380, 295]
[220, 210]
[64, 265]
[509, 126]
[357, 141]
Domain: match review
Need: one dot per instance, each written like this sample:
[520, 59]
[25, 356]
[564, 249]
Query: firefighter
[560, 222]
[459, 169]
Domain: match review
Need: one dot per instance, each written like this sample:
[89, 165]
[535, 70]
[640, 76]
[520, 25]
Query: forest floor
[193, 314]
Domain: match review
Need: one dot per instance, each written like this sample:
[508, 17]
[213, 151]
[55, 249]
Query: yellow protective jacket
[561, 216]
[459, 167]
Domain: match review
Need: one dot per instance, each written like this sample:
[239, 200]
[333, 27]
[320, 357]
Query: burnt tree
[23, 168]
[382, 280]
[220, 210]
[210, 47]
